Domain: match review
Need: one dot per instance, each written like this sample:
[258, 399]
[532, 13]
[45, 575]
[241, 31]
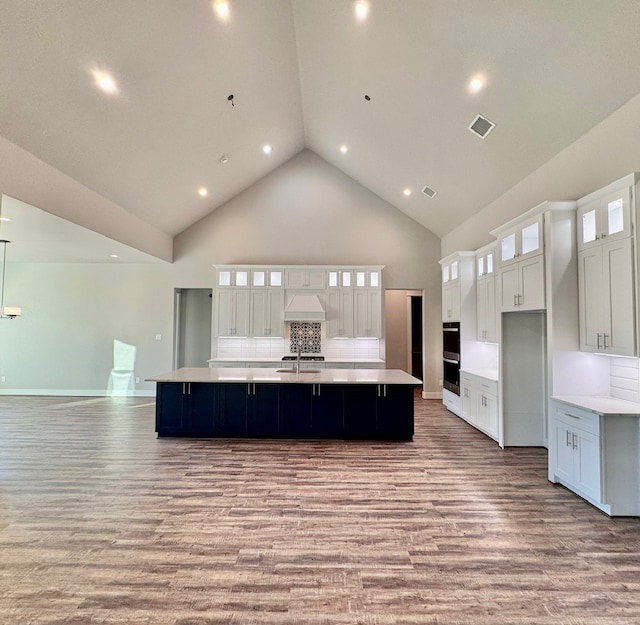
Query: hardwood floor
[101, 522]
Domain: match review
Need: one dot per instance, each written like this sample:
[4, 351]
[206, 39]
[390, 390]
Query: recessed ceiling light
[361, 9]
[203, 192]
[477, 83]
[267, 149]
[344, 149]
[222, 8]
[407, 192]
[105, 81]
[224, 159]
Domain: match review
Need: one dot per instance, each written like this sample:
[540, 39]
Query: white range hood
[304, 308]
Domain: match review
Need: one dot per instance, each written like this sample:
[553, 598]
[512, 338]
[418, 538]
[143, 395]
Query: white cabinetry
[232, 312]
[368, 313]
[480, 403]
[604, 219]
[339, 311]
[457, 284]
[606, 281]
[486, 294]
[267, 312]
[305, 278]
[595, 454]
[521, 275]
[607, 298]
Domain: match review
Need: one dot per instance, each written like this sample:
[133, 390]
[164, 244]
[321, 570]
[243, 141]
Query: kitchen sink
[289, 370]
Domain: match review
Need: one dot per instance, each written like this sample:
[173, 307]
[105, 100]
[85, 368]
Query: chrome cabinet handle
[567, 438]
[574, 438]
[605, 336]
[598, 335]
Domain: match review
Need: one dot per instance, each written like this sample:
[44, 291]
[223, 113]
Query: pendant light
[6, 312]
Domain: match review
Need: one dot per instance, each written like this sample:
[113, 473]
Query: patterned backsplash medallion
[306, 334]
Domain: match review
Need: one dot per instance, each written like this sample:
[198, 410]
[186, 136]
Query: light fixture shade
[10, 311]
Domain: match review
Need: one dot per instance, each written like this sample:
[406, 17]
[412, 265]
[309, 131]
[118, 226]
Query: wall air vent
[481, 126]
[429, 192]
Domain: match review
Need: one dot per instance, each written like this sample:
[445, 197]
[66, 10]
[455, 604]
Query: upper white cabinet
[273, 278]
[232, 312]
[520, 284]
[521, 241]
[486, 294]
[305, 278]
[267, 312]
[339, 304]
[450, 267]
[606, 280]
[604, 219]
[233, 278]
[368, 313]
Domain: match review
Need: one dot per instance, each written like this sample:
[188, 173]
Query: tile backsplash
[368, 349]
[306, 335]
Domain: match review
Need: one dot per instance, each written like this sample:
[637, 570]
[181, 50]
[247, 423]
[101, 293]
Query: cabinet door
[451, 301]
[486, 309]
[562, 452]
[368, 313]
[469, 394]
[339, 313]
[275, 313]
[224, 312]
[203, 398]
[327, 411]
[241, 311]
[488, 413]
[259, 314]
[316, 278]
[604, 220]
[262, 409]
[591, 294]
[587, 463]
[619, 299]
[508, 287]
[231, 416]
[171, 416]
[394, 412]
[360, 411]
[531, 277]
[294, 418]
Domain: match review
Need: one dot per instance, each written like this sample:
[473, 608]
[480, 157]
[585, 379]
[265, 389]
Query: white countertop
[488, 374]
[602, 405]
[323, 376]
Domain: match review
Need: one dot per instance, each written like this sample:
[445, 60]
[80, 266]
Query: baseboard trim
[431, 394]
[72, 392]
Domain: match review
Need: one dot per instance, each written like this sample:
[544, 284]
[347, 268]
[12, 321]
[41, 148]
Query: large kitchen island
[270, 403]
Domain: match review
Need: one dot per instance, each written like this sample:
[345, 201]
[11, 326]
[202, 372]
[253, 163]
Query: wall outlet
[137, 380]
[3, 379]
[158, 337]
[439, 382]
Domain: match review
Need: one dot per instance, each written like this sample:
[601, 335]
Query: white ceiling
[299, 71]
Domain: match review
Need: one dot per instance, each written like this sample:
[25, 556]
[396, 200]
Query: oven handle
[452, 362]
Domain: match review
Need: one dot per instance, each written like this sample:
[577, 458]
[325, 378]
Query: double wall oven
[451, 356]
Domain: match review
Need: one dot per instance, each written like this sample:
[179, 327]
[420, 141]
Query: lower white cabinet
[596, 456]
[480, 403]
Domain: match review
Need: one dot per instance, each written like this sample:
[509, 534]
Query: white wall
[306, 212]
[606, 153]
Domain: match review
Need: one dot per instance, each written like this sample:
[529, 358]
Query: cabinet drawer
[578, 418]
[488, 386]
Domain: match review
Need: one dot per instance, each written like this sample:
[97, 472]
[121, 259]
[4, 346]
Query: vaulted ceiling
[392, 88]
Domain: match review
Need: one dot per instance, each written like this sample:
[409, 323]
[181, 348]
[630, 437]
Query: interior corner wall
[308, 212]
[606, 153]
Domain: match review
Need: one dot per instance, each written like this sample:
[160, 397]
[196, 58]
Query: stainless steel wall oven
[451, 356]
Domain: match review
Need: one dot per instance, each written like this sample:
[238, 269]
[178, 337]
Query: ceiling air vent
[481, 126]
[428, 191]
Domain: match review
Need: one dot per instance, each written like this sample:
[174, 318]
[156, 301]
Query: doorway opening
[192, 327]
[403, 331]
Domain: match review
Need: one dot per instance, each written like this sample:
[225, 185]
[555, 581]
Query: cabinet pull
[598, 335]
[605, 336]
[567, 440]
[566, 414]
[184, 388]
[519, 300]
[574, 438]
[514, 301]
[319, 390]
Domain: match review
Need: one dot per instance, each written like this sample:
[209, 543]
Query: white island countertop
[322, 376]
[602, 405]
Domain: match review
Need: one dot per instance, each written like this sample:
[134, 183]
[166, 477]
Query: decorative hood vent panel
[304, 308]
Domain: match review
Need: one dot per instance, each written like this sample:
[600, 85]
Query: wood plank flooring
[101, 522]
